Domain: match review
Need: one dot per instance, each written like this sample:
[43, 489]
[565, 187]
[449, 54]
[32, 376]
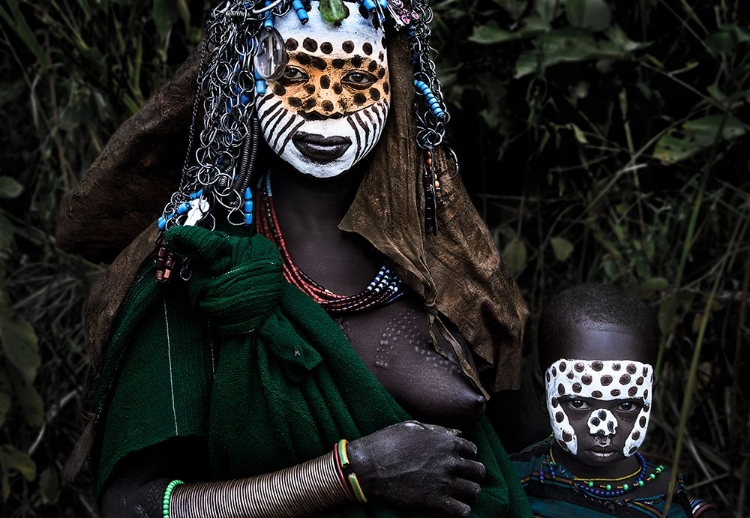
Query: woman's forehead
[355, 35]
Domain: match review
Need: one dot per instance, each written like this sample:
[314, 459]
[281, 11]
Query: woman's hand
[418, 465]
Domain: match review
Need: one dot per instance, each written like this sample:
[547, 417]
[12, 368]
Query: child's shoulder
[530, 459]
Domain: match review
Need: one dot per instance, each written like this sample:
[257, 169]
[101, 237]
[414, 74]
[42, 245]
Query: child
[597, 348]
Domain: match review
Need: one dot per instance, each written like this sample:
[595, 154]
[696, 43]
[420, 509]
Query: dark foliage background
[602, 140]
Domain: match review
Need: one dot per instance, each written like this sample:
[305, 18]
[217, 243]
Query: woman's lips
[319, 148]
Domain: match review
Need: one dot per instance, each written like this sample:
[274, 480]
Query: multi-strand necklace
[384, 288]
[607, 490]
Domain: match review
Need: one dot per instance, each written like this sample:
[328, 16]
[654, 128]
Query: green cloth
[245, 359]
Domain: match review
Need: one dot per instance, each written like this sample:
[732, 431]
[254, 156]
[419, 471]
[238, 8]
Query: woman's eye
[578, 404]
[294, 75]
[358, 79]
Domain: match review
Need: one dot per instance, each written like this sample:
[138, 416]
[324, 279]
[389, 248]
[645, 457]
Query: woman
[233, 371]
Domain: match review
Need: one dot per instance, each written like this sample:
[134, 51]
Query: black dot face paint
[329, 88]
[624, 379]
[291, 44]
[310, 44]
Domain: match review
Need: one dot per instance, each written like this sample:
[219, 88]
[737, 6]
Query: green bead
[333, 11]
[609, 487]
[591, 483]
[640, 483]
[625, 487]
[652, 476]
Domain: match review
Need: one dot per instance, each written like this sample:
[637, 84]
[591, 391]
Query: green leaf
[593, 15]
[515, 8]
[6, 232]
[652, 285]
[491, 33]
[548, 10]
[693, 136]
[20, 344]
[722, 41]
[515, 255]
[562, 248]
[49, 486]
[165, 14]
[13, 458]
[4, 407]
[10, 188]
[18, 23]
[566, 45]
[28, 399]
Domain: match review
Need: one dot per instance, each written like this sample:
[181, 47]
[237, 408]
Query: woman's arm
[408, 464]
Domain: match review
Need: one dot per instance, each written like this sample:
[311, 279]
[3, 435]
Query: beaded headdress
[241, 51]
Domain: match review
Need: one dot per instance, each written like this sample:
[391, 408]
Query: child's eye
[627, 406]
[578, 404]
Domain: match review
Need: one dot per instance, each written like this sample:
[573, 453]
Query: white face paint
[329, 109]
[606, 381]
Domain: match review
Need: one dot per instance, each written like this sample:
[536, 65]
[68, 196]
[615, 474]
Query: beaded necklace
[606, 490]
[385, 288]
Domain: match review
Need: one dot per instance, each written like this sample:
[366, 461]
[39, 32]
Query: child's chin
[598, 457]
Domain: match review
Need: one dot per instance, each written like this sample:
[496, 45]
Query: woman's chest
[395, 342]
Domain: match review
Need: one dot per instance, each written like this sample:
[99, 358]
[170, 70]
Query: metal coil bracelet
[292, 492]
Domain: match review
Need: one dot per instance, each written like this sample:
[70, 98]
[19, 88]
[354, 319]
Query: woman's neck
[307, 199]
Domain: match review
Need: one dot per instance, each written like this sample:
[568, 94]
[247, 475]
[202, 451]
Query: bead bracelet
[168, 496]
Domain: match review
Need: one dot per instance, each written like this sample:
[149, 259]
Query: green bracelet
[168, 495]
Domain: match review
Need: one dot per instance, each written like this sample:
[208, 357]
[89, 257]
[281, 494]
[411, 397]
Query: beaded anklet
[168, 496]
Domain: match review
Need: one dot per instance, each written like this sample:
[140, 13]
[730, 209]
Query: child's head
[597, 347]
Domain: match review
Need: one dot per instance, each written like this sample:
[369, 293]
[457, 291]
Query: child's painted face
[599, 409]
[329, 108]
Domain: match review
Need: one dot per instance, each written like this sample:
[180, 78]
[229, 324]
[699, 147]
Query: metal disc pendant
[271, 58]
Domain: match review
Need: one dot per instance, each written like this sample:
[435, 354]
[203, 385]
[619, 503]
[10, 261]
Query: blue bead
[248, 219]
[302, 15]
[245, 98]
[297, 5]
[248, 193]
[268, 22]
[248, 206]
[162, 223]
[260, 87]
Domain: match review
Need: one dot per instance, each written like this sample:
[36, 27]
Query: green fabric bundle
[245, 359]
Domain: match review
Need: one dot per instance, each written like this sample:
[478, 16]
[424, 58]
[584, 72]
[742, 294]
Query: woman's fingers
[465, 449]
[469, 469]
[466, 491]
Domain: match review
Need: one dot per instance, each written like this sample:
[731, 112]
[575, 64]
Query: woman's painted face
[329, 108]
[599, 409]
